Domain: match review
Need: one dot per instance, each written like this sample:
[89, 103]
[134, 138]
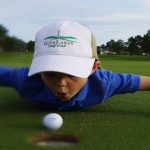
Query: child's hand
[144, 83]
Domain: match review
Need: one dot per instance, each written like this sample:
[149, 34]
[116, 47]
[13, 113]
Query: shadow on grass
[21, 105]
[11, 102]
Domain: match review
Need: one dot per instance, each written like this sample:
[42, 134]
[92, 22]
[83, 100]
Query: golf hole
[54, 140]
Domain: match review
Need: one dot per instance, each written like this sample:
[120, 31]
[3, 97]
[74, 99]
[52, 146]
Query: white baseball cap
[64, 46]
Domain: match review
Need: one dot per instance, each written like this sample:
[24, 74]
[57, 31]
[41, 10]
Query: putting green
[121, 123]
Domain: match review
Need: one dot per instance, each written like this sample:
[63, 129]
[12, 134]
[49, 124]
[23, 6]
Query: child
[64, 75]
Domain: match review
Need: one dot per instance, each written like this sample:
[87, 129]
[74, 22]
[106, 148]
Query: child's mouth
[63, 96]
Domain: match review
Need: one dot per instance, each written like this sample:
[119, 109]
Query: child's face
[62, 85]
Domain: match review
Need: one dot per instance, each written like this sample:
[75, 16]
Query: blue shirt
[100, 86]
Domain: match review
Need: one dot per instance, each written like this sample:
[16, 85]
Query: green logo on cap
[59, 41]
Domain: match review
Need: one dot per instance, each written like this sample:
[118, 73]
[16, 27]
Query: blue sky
[108, 19]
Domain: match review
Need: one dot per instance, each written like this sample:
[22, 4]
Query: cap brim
[76, 66]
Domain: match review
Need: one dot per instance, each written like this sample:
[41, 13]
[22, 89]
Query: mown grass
[121, 123]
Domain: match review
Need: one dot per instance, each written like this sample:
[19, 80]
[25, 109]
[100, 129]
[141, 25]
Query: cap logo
[59, 41]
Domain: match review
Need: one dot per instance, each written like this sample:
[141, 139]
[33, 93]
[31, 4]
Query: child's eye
[50, 74]
[56, 74]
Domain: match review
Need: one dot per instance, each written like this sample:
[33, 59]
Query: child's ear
[95, 66]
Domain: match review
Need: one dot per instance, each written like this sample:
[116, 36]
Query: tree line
[8, 43]
[134, 45]
[12, 43]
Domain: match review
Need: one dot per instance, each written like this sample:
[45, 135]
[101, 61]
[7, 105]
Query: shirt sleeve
[119, 83]
[11, 76]
[104, 84]
[30, 88]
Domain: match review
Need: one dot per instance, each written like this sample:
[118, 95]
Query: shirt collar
[81, 95]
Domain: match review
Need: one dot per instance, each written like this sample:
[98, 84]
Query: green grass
[121, 123]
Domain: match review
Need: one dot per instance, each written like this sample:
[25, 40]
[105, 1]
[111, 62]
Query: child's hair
[64, 46]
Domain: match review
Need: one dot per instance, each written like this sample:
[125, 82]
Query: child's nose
[62, 80]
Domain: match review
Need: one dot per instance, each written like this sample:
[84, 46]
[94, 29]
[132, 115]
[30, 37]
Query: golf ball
[52, 121]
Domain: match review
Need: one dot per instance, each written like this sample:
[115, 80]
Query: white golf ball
[53, 121]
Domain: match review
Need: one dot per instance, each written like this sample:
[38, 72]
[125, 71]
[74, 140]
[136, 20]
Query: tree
[120, 47]
[3, 31]
[116, 46]
[8, 43]
[111, 45]
[133, 45]
[30, 46]
[3, 35]
[14, 44]
[146, 42]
